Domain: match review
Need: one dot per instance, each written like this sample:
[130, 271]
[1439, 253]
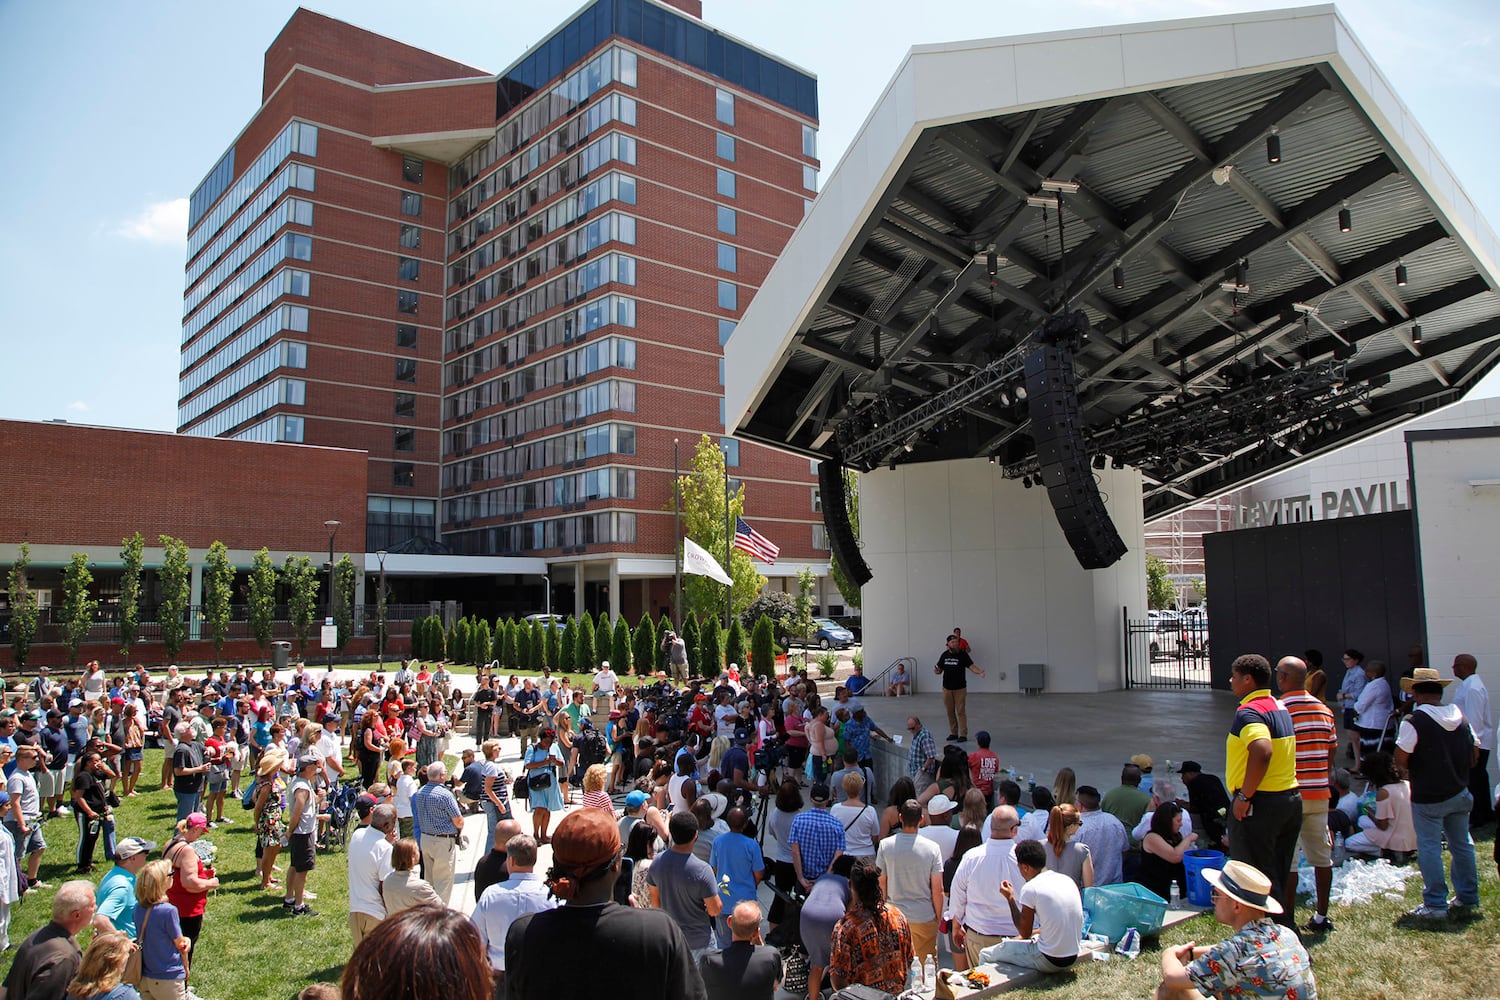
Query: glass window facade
[724, 107]
[726, 183]
[288, 282]
[411, 203]
[392, 521]
[277, 392]
[820, 538]
[406, 302]
[613, 268]
[297, 137]
[293, 318]
[724, 146]
[404, 439]
[727, 221]
[406, 369]
[809, 178]
[560, 410]
[284, 354]
[729, 295]
[726, 330]
[566, 533]
[411, 236]
[563, 449]
[608, 352]
[411, 169]
[403, 474]
[607, 310]
[298, 176]
[408, 269]
[809, 142]
[595, 484]
[291, 246]
[728, 258]
[731, 451]
[406, 404]
[406, 336]
[282, 427]
[673, 34]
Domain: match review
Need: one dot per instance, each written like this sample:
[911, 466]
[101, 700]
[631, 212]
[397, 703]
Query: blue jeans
[1433, 821]
[187, 802]
[492, 816]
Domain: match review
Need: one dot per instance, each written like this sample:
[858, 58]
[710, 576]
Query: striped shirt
[1312, 722]
[1262, 717]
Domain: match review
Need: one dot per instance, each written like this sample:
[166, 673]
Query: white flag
[695, 559]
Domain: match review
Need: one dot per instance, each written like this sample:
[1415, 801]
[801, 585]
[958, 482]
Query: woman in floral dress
[270, 812]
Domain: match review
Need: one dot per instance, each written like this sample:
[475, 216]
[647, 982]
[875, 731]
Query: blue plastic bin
[1199, 892]
[1113, 908]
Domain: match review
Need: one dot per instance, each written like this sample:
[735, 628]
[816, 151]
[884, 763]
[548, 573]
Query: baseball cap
[1143, 761]
[29, 716]
[939, 804]
[308, 760]
[820, 793]
[4, 797]
[635, 799]
[131, 846]
[364, 804]
[53, 713]
[197, 819]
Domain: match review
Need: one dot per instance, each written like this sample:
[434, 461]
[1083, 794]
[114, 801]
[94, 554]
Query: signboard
[330, 637]
[1371, 498]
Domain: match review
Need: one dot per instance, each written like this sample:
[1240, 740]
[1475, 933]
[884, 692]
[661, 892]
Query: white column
[614, 590]
[578, 590]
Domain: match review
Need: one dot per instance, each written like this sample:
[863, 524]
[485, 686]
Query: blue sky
[116, 111]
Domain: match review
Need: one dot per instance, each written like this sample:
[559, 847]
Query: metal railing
[1166, 652]
[51, 625]
[879, 685]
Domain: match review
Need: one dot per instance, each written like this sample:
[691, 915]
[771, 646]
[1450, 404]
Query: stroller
[787, 939]
[340, 807]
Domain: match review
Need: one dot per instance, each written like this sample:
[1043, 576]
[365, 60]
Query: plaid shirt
[434, 809]
[820, 837]
[923, 751]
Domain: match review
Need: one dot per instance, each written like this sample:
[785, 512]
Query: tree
[1159, 590]
[763, 647]
[778, 606]
[176, 594]
[734, 644]
[702, 489]
[841, 579]
[644, 653]
[302, 597]
[218, 589]
[552, 647]
[710, 649]
[602, 631]
[690, 639]
[584, 659]
[1200, 589]
[498, 650]
[133, 559]
[460, 650]
[807, 581]
[567, 651]
[262, 599]
[619, 648]
[78, 605]
[485, 642]
[25, 609]
[523, 646]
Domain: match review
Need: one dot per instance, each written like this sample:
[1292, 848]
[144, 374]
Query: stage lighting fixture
[1400, 274]
[1273, 147]
[1117, 462]
[1099, 461]
[992, 263]
[1119, 276]
[1346, 220]
[1026, 481]
[1416, 333]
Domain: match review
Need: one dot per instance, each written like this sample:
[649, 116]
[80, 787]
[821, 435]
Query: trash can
[281, 653]
[1199, 891]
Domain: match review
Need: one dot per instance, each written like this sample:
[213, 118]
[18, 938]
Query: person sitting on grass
[1263, 958]
[1392, 827]
[1050, 899]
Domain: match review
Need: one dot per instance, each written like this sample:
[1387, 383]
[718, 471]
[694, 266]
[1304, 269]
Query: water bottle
[1031, 779]
[914, 976]
[1176, 895]
[929, 974]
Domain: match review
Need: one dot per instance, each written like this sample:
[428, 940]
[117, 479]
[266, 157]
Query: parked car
[854, 623]
[543, 618]
[826, 634]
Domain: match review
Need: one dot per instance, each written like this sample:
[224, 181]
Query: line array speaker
[836, 520]
[1052, 400]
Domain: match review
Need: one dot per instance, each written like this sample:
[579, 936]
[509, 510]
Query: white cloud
[78, 406]
[160, 222]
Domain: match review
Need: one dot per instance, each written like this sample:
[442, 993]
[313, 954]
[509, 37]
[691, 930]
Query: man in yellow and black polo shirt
[1261, 772]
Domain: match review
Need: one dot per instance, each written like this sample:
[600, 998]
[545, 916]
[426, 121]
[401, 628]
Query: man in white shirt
[981, 917]
[330, 747]
[369, 856]
[1473, 700]
[939, 812]
[501, 905]
[604, 688]
[1048, 898]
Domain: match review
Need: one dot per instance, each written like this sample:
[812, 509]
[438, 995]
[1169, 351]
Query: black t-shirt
[87, 787]
[187, 755]
[484, 699]
[954, 664]
[542, 951]
[492, 869]
[735, 759]
[526, 699]
[45, 964]
[743, 971]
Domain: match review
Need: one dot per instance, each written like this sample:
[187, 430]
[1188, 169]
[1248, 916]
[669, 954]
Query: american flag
[758, 545]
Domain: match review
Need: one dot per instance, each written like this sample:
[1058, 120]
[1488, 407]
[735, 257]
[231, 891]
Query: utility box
[1032, 677]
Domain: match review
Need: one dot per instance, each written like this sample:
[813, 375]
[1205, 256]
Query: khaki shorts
[1317, 842]
[924, 938]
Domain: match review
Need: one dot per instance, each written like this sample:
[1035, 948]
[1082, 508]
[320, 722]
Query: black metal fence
[106, 627]
[1166, 650]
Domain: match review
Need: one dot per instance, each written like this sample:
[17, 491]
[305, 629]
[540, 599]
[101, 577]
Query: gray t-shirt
[308, 821]
[684, 883]
[909, 862]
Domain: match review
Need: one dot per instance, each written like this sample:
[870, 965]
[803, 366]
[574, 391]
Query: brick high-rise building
[512, 291]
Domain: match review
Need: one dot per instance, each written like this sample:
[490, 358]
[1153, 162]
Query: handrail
[911, 673]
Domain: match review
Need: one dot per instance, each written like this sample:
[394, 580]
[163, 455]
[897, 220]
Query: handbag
[133, 973]
[794, 971]
[519, 790]
[539, 781]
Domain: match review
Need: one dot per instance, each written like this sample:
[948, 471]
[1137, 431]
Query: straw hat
[271, 760]
[1244, 884]
[1424, 675]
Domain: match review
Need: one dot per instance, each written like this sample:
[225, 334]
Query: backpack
[247, 798]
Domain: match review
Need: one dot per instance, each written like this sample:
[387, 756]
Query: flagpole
[676, 538]
[728, 537]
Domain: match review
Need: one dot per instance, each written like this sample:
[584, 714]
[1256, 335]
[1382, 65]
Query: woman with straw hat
[270, 811]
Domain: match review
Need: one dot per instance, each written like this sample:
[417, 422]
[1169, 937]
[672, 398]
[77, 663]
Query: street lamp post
[380, 612]
[333, 527]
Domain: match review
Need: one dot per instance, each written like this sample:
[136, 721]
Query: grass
[249, 949]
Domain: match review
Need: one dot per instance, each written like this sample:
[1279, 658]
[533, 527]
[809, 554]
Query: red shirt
[984, 765]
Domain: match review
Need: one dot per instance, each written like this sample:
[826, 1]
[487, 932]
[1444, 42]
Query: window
[403, 474]
[405, 439]
[724, 146]
[411, 203]
[406, 301]
[731, 451]
[724, 106]
[820, 538]
[727, 222]
[409, 269]
[406, 336]
[721, 371]
[406, 369]
[809, 142]
[809, 177]
[411, 166]
[411, 236]
[726, 330]
[406, 404]
[817, 500]
[728, 258]
[726, 183]
[729, 295]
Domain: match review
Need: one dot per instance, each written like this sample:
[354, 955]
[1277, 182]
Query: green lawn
[249, 949]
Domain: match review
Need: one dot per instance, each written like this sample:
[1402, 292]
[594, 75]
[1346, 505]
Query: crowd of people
[668, 805]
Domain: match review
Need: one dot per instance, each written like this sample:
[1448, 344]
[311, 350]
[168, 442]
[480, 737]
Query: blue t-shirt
[115, 900]
[734, 759]
[856, 683]
[160, 958]
[739, 857]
